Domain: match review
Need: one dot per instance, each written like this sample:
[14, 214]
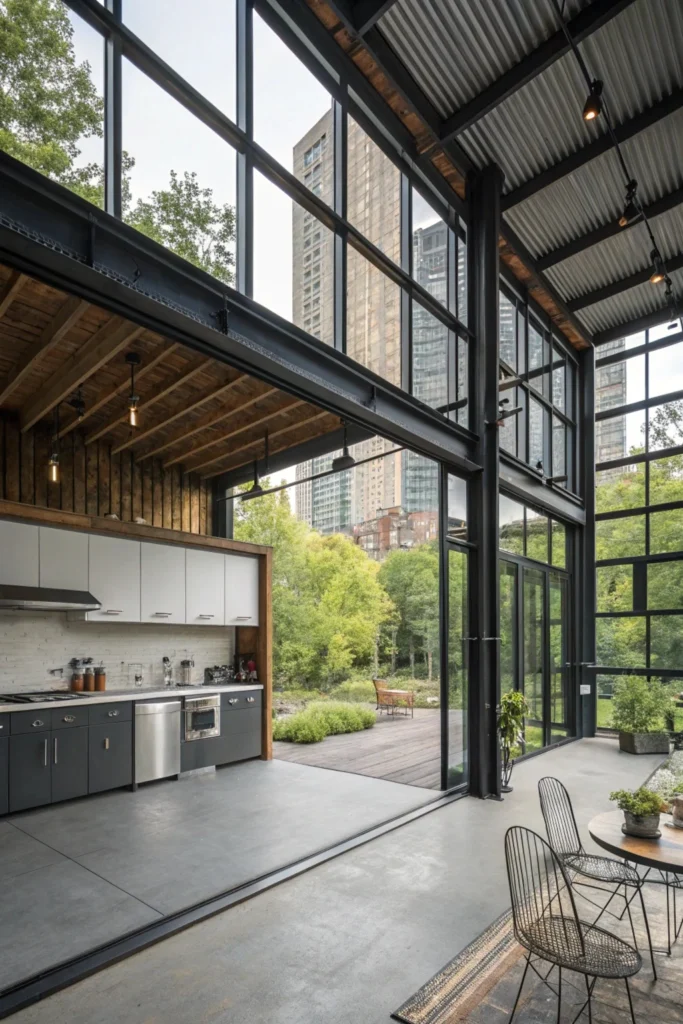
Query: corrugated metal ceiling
[455, 48]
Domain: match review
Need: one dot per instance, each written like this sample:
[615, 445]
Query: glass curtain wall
[639, 511]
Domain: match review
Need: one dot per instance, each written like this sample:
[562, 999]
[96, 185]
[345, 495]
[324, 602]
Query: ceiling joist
[624, 284]
[535, 63]
[253, 444]
[92, 356]
[10, 290]
[69, 314]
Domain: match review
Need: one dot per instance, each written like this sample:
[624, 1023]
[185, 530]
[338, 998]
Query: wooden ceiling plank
[163, 392]
[10, 290]
[211, 419]
[107, 394]
[69, 314]
[106, 343]
[202, 400]
[233, 433]
[277, 433]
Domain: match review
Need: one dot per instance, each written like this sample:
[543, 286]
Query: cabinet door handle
[233, 700]
[114, 611]
[45, 753]
[206, 616]
[106, 743]
[250, 700]
[37, 724]
[69, 718]
[113, 714]
[55, 753]
[164, 615]
[243, 618]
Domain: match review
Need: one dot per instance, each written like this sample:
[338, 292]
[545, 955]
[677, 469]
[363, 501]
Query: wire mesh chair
[565, 840]
[547, 925]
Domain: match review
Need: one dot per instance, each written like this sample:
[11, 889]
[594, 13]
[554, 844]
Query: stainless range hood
[45, 599]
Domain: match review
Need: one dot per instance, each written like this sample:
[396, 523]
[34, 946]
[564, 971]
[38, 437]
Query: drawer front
[242, 721]
[105, 714]
[30, 721]
[242, 701]
[69, 718]
[4, 725]
[238, 746]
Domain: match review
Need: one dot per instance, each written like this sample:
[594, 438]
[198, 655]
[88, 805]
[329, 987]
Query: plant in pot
[639, 710]
[511, 711]
[641, 809]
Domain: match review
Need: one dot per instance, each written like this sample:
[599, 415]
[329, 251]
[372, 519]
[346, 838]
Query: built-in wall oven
[202, 716]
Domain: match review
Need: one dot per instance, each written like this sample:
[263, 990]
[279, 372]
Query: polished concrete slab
[83, 873]
[349, 941]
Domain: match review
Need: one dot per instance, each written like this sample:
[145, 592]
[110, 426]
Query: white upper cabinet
[19, 546]
[63, 559]
[205, 588]
[241, 590]
[114, 578]
[162, 595]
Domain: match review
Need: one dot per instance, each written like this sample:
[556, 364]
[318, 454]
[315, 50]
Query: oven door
[202, 721]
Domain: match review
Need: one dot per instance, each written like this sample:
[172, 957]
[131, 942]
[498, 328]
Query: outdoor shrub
[355, 690]
[639, 706]
[322, 719]
[340, 718]
[303, 727]
[639, 802]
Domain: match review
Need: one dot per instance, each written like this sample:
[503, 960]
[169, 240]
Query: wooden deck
[397, 749]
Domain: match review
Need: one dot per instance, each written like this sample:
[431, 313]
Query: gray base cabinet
[69, 763]
[30, 781]
[4, 774]
[110, 758]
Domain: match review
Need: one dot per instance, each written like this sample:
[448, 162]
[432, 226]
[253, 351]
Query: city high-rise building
[610, 393]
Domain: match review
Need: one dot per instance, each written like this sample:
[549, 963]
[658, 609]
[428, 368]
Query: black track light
[345, 460]
[658, 272]
[592, 108]
[632, 211]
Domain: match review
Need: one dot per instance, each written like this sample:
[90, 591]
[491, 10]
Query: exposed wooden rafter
[10, 290]
[209, 396]
[92, 356]
[107, 394]
[69, 314]
[163, 392]
[252, 444]
[234, 433]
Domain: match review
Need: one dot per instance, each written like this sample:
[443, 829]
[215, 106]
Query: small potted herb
[641, 809]
[639, 710]
[511, 711]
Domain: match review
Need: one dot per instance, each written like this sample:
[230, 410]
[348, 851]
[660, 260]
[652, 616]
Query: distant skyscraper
[611, 393]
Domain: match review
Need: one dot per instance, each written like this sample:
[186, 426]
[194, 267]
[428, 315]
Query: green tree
[411, 579]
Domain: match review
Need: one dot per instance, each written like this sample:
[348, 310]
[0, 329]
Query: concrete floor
[348, 942]
[79, 874]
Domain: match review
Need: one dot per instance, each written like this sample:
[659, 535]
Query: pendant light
[256, 490]
[345, 460]
[133, 360]
[632, 211]
[658, 273]
[593, 106]
[53, 462]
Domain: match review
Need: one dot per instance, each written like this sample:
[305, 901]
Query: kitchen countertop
[144, 693]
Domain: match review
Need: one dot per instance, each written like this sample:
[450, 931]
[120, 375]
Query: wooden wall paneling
[91, 483]
[185, 501]
[12, 460]
[167, 489]
[136, 477]
[126, 487]
[176, 497]
[104, 478]
[147, 492]
[202, 507]
[115, 484]
[27, 488]
[194, 504]
[79, 472]
[2, 458]
[66, 465]
[209, 507]
[41, 454]
[157, 493]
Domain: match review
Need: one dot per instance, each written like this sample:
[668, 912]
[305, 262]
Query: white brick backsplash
[32, 643]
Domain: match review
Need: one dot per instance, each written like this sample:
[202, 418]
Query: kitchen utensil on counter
[168, 671]
[76, 675]
[88, 675]
[186, 666]
[100, 677]
[136, 674]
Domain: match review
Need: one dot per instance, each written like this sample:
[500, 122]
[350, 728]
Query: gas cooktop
[39, 698]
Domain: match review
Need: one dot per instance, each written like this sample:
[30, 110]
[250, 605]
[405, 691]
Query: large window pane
[665, 369]
[373, 192]
[457, 508]
[537, 432]
[293, 261]
[458, 661]
[620, 538]
[559, 449]
[623, 487]
[559, 655]
[614, 588]
[373, 318]
[51, 89]
[559, 379]
[508, 626]
[665, 426]
[533, 587]
[666, 531]
[197, 40]
[666, 480]
[619, 383]
[433, 362]
[536, 536]
[559, 541]
[605, 691]
[508, 336]
[430, 248]
[619, 436]
[462, 280]
[292, 113]
[180, 178]
[620, 641]
[666, 641]
[536, 359]
[665, 585]
[511, 525]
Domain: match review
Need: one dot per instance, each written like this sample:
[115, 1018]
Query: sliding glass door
[458, 666]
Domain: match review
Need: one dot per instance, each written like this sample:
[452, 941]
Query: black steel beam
[52, 234]
[609, 230]
[623, 330]
[530, 488]
[113, 131]
[663, 108]
[580, 27]
[608, 291]
[585, 578]
[366, 13]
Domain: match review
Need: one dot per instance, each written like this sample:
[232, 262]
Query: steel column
[113, 132]
[486, 191]
[245, 164]
[585, 583]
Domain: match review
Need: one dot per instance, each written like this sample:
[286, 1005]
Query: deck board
[397, 749]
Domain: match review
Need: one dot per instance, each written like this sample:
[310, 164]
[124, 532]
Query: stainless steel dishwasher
[157, 740]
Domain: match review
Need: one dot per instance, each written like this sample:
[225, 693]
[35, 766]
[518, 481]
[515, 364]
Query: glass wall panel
[179, 184]
[665, 585]
[666, 531]
[511, 525]
[620, 538]
[619, 436]
[559, 379]
[666, 480]
[605, 691]
[508, 626]
[558, 649]
[536, 360]
[457, 508]
[507, 317]
[666, 641]
[665, 371]
[615, 588]
[433, 362]
[430, 248]
[198, 41]
[536, 536]
[373, 192]
[537, 433]
[665, 426]
[619, 383]
[533, 589]
[373, 318]
[293, 265]
[621, 642]
[292, 113]
[458, 661]
[620, 488]
[559, 544]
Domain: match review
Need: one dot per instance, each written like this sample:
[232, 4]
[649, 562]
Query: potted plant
[641, 809]
[511, 711]
[639, 710]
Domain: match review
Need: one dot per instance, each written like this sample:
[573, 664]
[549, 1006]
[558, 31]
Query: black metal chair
[564, 838]
[547, 924]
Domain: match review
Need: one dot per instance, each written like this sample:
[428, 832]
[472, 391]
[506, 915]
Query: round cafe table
[663, 855]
